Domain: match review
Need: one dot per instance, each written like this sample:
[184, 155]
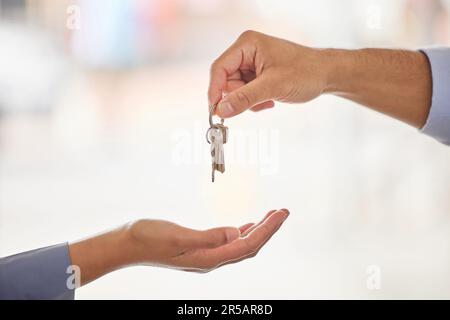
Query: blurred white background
[103, 112]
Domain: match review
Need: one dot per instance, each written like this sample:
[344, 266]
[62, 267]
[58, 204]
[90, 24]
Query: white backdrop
[363, 190]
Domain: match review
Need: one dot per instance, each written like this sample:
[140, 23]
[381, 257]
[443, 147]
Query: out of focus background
[103, 113]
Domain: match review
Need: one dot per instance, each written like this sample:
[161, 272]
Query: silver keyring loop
[212, 108]
[211, 112]
[207, 136]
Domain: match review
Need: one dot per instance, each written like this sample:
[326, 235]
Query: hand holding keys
[217, 136]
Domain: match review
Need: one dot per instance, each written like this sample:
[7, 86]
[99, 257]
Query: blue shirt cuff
[38, 274]
[438, 122]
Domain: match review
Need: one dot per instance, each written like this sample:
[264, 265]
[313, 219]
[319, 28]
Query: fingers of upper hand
[224, 66]
[258, 91]
[229, 63]
[249, 36]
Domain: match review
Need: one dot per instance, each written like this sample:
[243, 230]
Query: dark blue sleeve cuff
[38, 274]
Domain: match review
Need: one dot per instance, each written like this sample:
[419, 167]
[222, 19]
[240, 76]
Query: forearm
[102, 254]
[394, 82]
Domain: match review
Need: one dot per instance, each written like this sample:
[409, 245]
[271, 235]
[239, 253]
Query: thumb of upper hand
[245, 97]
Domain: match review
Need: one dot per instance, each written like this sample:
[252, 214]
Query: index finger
[251, 243]
[227, 64]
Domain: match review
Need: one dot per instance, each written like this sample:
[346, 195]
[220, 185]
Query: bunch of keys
[217, 136]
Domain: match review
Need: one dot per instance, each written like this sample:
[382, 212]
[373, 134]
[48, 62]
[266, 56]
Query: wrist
[338, 68]
[129, 251]
[104, 253]
[394, 82]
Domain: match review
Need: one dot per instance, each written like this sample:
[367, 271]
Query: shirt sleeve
[39, 275]
[438, 122]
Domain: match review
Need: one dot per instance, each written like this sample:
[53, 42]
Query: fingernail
[286, 214]
[225, 108]
[232, 234]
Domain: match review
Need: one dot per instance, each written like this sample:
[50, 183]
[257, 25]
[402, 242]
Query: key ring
[212, 108]
[213, 126]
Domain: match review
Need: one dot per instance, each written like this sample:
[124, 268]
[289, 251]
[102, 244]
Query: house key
[217, 136]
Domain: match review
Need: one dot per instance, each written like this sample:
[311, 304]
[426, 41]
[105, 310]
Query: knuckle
[248, 35]
[214, 66]
[138, 224]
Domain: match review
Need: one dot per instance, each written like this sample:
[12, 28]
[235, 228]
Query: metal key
[217, 136]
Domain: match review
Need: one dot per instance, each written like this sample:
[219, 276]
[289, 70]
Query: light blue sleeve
[39, 274]
[438, 122]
